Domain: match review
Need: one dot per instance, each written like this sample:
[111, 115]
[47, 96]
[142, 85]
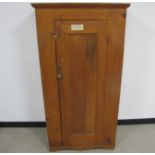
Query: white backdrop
[20, 84]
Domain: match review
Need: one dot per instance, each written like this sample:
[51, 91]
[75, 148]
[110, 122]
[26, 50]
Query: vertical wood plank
[102, 60]
[49, 77]
[113, 75]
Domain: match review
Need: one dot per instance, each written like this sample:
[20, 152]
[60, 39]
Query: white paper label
[77, 27]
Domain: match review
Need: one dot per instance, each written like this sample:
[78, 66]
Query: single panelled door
[81, 48]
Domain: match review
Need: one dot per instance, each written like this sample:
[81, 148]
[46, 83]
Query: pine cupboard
[81, 55]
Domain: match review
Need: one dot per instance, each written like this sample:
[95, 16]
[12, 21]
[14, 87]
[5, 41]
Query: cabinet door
[81, 48]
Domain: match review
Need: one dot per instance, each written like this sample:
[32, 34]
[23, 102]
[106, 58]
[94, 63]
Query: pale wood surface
[81, 106]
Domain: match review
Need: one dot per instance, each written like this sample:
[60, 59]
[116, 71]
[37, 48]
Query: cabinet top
[81, 5]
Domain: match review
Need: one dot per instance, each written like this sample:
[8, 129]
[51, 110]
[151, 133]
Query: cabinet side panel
[113, 73]
[49, 78]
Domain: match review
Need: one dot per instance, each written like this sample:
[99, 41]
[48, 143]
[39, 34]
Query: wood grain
[81, 72]
[49, 80]
[78, 87]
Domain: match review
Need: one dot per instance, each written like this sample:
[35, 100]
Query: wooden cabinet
[81, 55]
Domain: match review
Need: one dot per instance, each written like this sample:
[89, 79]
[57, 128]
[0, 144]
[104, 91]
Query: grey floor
[130, 138]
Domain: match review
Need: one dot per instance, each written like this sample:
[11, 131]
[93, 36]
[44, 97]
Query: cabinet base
[58, 148]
